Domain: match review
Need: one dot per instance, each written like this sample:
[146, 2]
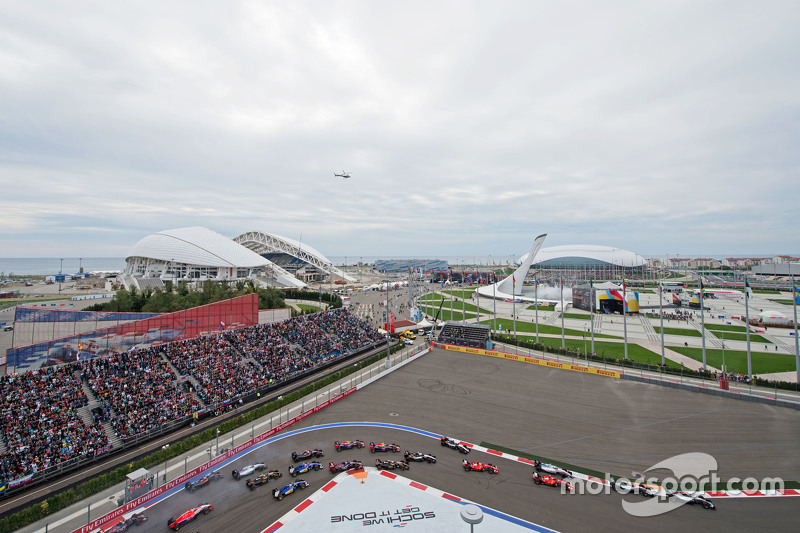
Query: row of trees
[179, 297]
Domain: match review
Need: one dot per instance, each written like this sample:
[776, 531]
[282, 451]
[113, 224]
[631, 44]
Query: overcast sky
[468, 127]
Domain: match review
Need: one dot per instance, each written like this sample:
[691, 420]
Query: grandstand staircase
[190, 378]
[86, 413]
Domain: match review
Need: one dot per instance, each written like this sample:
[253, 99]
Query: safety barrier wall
[713, 391]
[531, 360]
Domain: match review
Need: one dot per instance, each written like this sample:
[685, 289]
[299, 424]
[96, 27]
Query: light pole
[164, 447]
[586, 355]
[60, 276]
[471, 514]
[217, 441]
[388, 359]
[723, 351]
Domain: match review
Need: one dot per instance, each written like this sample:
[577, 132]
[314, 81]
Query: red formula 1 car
[344, 466]
[383, 447]
[390, 465]
[348, 444]
[550, 481]
[188, 516]
[306, 454]
[480, 467]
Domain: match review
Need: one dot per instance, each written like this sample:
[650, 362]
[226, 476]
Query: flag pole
[494, 300]
[625, 312]
[536, 299]
[703, 319]
[795, 297]
[747, 325]
[563, 344]
[591, 308]
[661, 315]
[514, 305]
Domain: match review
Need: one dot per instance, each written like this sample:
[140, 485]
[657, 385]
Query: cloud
[467, 128]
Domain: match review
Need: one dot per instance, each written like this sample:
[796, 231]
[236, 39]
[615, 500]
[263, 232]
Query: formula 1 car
[247, 470]
[550, 481]
[344, 466]
[419, 457]
[188, 516]
[626, 487]
[263, 478]
[192, 486]
[552, 469]
[692, 499]
[383, 447]
[348, 444]
[304, 468]
[454, 444]
[480, 467]
[290, 488]
[390, 465]
[306, 454]
[120, 527]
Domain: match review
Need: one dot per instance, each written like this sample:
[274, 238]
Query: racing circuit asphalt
[600, 423]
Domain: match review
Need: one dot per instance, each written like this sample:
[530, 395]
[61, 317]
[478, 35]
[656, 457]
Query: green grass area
[736, 360]
[431, 297]
[725, 327]
[542, 307]
[766, 291]
[529, 327]
[614, 350]
[781, 301]
[308, 308]
[444, 314]
[678, 331]
[577, 316]
[466, 293]
[740, 337]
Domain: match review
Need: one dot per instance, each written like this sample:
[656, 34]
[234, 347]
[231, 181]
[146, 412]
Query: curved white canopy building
[586, 255]
[195, 254]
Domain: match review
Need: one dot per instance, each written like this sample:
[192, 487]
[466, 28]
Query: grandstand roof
[196, 246]
[558, 255]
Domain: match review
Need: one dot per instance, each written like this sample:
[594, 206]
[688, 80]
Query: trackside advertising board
[179, 481]
[532, 360]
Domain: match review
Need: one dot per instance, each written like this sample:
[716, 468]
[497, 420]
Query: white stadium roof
[196, 246]
[605, 254]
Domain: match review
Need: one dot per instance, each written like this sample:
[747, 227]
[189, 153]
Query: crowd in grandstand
[41, 424]
[141, 390]
[138, 391]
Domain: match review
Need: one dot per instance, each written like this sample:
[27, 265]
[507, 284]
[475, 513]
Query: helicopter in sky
[343, 175]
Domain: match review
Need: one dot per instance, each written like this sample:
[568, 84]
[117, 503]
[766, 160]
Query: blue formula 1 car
[304, 468]
[290, 488]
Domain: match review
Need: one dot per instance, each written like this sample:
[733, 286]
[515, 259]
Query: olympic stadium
[198, 254]
[586, 256]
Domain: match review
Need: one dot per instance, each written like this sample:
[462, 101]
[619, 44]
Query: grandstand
[56, 418]
[462, 334]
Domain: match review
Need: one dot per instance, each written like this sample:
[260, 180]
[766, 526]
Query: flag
[747, 290]
[796, 292]
[222, 325]
[701, 295]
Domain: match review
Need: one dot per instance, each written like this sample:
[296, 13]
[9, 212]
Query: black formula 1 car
[419, 457]
[348, 444]
[262, 479]
[199, 483]
[304, 468]
[692, 499]
[290, 488]
[247, 470]
[188, 516]
[480, 467]
[390, 465]
[306, 454]
[123, 525]
[344, 466]
[455, 445]
[552, 469]
[383, 447]
[551, 481]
